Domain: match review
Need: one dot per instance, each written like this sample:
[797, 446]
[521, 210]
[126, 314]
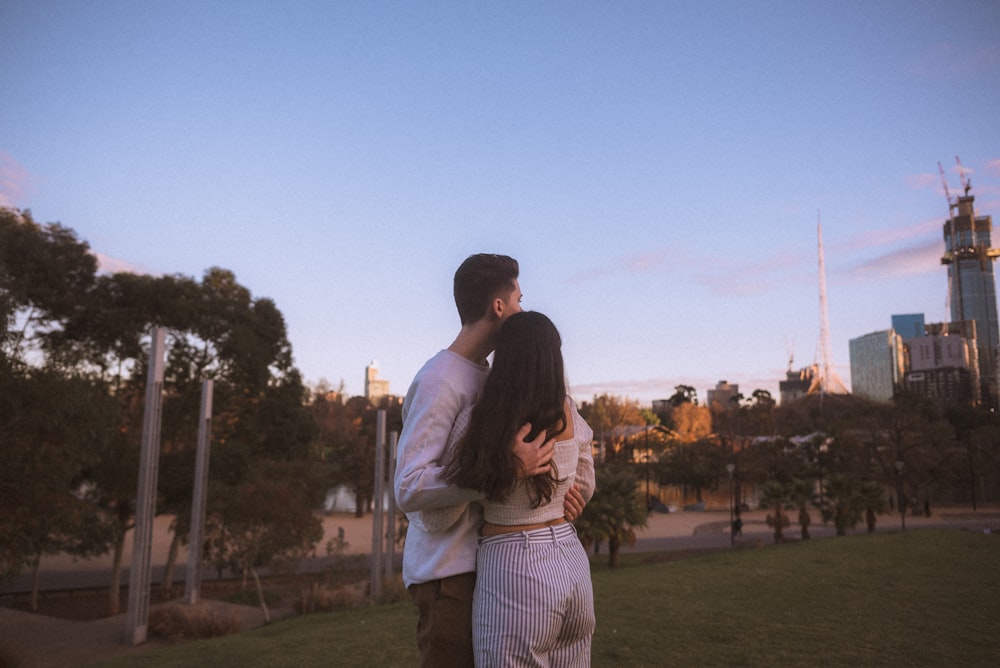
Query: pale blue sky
[657, 168]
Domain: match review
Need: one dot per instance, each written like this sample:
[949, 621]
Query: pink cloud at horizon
[15, 181]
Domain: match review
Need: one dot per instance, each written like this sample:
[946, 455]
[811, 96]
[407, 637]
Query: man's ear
[496, 308]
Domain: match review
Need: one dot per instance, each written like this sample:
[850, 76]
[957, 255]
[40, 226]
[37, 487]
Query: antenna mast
[827, 380]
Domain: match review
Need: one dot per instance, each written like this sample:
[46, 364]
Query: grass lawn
[919, 598]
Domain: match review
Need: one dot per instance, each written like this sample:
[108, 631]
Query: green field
[919, 598]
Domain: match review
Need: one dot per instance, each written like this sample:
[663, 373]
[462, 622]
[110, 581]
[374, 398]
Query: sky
[657, 168]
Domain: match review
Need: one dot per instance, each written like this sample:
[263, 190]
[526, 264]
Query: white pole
[193, 589]
[145, 502]
[376, 557]
[390, 532]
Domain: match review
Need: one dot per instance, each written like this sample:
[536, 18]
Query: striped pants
[534, 601]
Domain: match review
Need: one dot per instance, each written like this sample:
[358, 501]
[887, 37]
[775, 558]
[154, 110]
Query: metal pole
[193, 586]
[376, 557]
[732, 532]
[901, 493]
[649, 501]
[145, 504]
[390, 532]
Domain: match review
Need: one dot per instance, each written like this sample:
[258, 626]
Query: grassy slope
[920, 598]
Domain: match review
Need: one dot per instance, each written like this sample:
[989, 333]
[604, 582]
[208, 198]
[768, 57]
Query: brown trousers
[444, 630]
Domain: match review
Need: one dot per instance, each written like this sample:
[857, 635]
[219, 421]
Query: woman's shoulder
[581, 430]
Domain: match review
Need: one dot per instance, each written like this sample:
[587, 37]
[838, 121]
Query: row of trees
[846, 457]
[73, 351]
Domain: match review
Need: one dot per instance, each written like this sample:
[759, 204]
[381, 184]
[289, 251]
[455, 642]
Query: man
[439, 568]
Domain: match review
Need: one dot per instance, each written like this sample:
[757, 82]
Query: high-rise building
[943, 365]
[908, 325]
[375, 387]
[797, 383]
[972, 285]
[877, 364]
[724, 397]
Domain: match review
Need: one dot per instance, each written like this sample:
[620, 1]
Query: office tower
[797, 383]
[375, 387]
[877, 364]
[908, 325]
[724, 397]
[971, 284]
[943, 365]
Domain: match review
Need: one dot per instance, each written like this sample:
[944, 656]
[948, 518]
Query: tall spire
[827, 381]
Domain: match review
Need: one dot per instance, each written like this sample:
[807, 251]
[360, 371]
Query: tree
[607, 416]
[614, 512]
[779, 496]
[683, 394]
[50, 427]
[44, 272]
[259, 523]
[696, 466]
[691, 422]
[846, 499]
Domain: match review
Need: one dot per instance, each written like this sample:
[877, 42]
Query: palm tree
[778, 495]
[614, 513]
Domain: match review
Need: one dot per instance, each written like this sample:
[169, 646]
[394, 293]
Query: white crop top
[574, 462]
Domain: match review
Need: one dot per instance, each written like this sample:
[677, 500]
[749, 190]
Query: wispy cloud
[756, 277]
[663, 260]
[924, 258]
[922, 181]
[15, 182]
[895, 236]
[993, 167]
[946, 60]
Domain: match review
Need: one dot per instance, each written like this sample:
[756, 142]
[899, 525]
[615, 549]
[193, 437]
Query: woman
[533, 603]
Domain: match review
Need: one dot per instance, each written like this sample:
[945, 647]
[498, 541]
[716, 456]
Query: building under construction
[969, 257]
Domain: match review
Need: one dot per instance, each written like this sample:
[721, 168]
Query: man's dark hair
[481, 279]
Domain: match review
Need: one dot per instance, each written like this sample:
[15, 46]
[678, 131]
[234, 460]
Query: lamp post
[730, 467]
[899, 493]
[649, 501]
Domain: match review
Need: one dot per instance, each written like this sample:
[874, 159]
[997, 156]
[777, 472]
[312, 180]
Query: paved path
[665, 531]
[51, 642]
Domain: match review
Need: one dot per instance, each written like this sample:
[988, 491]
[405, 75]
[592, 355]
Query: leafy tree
[261, 523]
[696, 466]
[608, 416]
[683, 394]
[614, 512]
[691, 422]
[44, 271]
[50, 426]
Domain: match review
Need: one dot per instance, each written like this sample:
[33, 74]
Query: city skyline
[656, 168]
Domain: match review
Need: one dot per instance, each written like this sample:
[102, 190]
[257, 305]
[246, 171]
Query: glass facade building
[908, 325]
[876, 365]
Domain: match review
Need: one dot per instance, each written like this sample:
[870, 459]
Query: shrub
[321, 598]
[186, 622]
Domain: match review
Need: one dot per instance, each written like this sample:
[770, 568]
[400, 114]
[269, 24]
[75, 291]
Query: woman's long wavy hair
[526, 385]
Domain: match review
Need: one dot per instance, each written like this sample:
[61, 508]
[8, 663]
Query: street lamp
[649, 499]
[899, 492]
[730, 467]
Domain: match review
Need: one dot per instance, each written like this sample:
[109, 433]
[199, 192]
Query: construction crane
[966, 183]
[947, 194]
